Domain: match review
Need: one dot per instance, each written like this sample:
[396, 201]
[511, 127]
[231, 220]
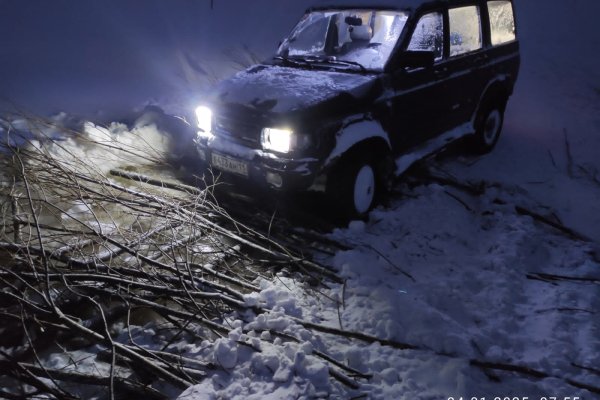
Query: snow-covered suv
[356, 94]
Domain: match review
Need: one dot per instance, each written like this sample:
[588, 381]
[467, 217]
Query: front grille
[238, 130]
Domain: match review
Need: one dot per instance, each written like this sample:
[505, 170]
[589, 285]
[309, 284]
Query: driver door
[422, 100]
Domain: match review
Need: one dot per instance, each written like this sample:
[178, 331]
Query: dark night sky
[84, 54]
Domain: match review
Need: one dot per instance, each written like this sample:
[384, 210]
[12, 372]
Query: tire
[353, 187]
[488, 127]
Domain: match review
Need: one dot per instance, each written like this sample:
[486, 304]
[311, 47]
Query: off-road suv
[356, 94]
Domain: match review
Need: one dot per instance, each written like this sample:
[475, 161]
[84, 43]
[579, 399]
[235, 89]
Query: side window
[465, 30]
[502, 21]
[429, 35]
[311, 37]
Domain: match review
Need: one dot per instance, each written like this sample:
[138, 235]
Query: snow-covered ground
[456, 275]
[454, 284]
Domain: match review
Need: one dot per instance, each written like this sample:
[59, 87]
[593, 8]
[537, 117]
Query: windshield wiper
[346, 62]
[332, 60]
[310, 60]
[293, 61]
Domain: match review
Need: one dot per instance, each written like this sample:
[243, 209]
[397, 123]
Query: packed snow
[460, 277]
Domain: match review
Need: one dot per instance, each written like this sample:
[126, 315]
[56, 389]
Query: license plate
[229, 164]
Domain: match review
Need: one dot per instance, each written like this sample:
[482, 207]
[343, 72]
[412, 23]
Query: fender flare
[354, 133]
[495, 87]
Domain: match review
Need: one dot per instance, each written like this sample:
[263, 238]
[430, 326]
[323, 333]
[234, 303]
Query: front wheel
[364, 190]
[352, 187]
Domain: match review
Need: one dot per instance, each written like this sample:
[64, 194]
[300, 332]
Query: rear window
[502, 21]
[465, 30]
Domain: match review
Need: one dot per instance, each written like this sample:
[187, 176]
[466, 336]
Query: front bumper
[257, 167]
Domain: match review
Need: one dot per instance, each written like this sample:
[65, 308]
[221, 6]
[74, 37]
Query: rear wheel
[488, 127]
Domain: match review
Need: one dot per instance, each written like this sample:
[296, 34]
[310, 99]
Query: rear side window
[429, 35]
[465, 30]
[502, 21]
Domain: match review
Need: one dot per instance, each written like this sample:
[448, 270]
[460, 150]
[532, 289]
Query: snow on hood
[280, 89]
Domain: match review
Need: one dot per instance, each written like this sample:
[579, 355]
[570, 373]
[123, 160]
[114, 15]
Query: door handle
[481, 59]
[441, 72]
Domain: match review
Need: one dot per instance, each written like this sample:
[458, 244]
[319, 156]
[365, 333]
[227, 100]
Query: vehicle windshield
[359, 38]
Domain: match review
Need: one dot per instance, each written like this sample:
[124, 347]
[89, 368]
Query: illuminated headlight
[204, 116]
[279, 140]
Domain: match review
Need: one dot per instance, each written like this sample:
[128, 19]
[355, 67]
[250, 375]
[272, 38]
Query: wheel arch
[494, 97]
[343, 174]
[497, 91]
[365, 133]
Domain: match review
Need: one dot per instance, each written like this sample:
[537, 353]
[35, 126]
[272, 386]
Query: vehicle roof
[381, 4]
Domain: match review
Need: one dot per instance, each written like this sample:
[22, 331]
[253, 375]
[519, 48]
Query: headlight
[279, 140]
[204, 115]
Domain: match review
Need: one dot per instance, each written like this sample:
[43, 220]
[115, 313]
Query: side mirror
[417, 59]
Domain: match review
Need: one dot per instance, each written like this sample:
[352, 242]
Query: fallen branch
[522, 370]
[540, 218]
[587, 368]
[394, 266]
[157, 182]
[554, 278]
[124, 385]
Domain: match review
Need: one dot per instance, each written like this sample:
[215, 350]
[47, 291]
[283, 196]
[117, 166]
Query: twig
[553, 278]
[570, 164]
[14, 204]
[587, 368]
[523, 370]
[458, 199]
[390, 262]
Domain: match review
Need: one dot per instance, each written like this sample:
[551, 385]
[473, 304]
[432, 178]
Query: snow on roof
[394, 4]
[378, 4]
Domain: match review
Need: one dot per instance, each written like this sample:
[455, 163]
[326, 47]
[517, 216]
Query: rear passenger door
[503, 46]
[467, 59]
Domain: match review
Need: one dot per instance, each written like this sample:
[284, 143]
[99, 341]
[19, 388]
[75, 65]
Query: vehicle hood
[275, 89]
